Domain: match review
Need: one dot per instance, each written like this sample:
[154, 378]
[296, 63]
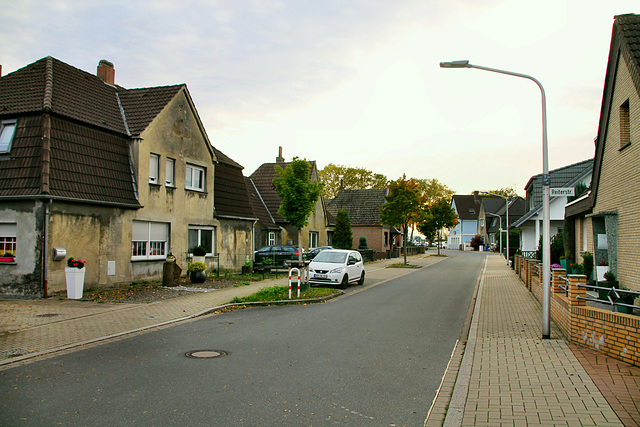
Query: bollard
[291, 271]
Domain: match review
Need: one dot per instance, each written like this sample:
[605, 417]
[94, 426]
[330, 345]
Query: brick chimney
[279, 159]
[106, 72]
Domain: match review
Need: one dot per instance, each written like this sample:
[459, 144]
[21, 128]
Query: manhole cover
[47, 315]
[206, 354]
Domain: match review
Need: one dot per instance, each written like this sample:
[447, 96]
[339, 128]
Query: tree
[433, 190]
[342, 235]
[335, 177]
[298, 195]
[438, 216]
[403, 206]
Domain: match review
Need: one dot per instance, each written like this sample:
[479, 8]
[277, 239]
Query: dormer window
[7, 132]
[472, 211]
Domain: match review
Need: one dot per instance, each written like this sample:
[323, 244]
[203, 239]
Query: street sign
[563, 192]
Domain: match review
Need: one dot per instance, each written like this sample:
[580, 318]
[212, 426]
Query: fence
[614, 331]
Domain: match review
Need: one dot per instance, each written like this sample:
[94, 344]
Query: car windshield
[332, 257]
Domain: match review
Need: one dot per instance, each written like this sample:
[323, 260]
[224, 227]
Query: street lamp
[500, 218]
[546, 182]
[506, 199]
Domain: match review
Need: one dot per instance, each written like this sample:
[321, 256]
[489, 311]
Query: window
[195, 178]
[8, 235]
[386, 238]
[7, 131]
[171, 168]
[625, 125]
[154, 160]
[149, 240]
[272, 238]
[584, 234]
[202, 236]
[313, 239]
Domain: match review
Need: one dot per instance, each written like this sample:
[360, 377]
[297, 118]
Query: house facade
[607, 219]
[266, 203]
[116, 177]
[363, 207]
[470, 223]
[530, 224]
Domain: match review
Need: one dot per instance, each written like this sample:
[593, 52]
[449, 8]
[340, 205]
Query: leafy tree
[579, 189]
[438, 216]
[298, 195]
[476, 242]
[403, 206]
[334, 176]
[342, 235]
[433, 190]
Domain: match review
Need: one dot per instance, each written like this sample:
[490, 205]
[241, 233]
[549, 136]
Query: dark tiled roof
[566, 176]
[259, 208]
[231, 197]
[143, 105]
[89, 155]
[263, 180]
[363, 206]
[467, 206]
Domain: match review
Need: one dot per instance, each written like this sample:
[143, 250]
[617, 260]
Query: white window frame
[7, 134]
[271, 238]
[152, 243]
[199, 229]
[154, 168]
[191, 174]
[170, 172]
[8, 238]
[314, 236]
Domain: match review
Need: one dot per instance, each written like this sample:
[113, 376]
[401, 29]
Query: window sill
[624, 146]
[148, 259]
[8, 263]
[195, 190]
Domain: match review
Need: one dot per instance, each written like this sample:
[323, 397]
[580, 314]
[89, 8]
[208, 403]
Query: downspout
[45, 173]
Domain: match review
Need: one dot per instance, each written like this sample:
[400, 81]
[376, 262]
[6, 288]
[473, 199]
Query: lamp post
[506, 199]
[546, 182]
[500, 218]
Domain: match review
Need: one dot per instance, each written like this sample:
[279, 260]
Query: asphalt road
[374, 357]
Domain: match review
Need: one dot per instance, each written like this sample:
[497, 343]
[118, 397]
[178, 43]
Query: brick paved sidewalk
[508, 375]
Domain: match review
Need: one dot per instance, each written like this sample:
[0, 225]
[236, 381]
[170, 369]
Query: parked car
[315, 251]
[337, 267]
[276, 255]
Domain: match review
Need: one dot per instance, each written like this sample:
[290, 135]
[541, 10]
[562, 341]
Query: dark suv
[276, 255]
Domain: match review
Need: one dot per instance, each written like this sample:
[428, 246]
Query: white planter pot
[600, 271]
[75, 282]
[199, 259]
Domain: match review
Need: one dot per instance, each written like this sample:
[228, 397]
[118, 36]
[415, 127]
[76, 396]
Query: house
[607, 219]
[470, 223]
[516, 210]
[271, 227]
[117, 177]
[530, 224]
[363, 207]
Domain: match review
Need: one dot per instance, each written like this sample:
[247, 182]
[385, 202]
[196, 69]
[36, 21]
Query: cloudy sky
[352, 82]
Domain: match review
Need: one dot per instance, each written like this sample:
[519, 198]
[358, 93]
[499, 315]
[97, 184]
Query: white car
[337, 267]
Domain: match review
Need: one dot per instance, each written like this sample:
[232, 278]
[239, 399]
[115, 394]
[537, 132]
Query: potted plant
[609, 283]
[199, 253]
[196, 272]
[248, 265]
[7, 257]
[74, 275]
[576, 268]
[601, 269]
[624, 298]
[171, 258]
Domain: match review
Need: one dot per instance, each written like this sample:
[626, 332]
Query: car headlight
[336, 270]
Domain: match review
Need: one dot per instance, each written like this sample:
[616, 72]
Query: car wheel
[345, 282]
[361, 281]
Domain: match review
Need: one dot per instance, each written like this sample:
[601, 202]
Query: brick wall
[619, 184]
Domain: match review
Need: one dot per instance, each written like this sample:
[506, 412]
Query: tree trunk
[438, 243]
[404, 243]
[299, 245]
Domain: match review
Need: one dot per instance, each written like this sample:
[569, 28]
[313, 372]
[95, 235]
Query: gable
[362, 206]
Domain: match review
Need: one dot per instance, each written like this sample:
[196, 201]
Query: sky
[354, 83]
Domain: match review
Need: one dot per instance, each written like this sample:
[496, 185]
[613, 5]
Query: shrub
[197, 266]
[476, 242]
[199, 251]
[587, 257]
[362, 244]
